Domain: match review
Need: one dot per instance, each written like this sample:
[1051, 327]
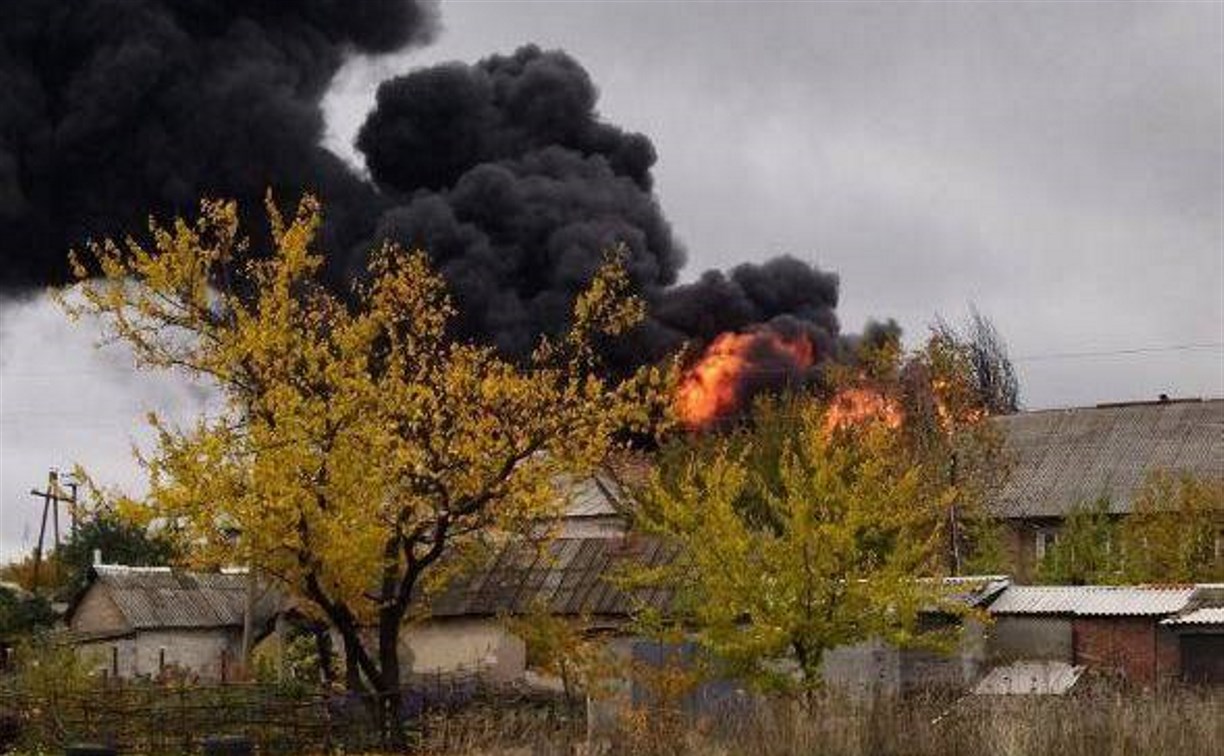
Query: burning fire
[711, 388]
[856, 406]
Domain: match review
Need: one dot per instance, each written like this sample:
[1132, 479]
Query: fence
[154, 719]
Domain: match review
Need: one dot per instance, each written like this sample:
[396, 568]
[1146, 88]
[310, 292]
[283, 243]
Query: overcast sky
[1061, 165]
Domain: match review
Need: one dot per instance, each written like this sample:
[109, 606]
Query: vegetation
[1169, 537]
[63, 570]
[994, 375]
[22, 615]
[361, 451]
[1086, 550]
[806, 529]
[1173, 533]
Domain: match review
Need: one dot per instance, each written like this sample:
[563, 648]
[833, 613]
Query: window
[1045, 540]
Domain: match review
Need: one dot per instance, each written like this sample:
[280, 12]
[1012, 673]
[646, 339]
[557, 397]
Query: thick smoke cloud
[517, 188]
[502, 170]
[114, 109]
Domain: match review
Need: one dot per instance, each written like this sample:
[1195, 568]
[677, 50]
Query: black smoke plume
[114, 109]
[503, 170]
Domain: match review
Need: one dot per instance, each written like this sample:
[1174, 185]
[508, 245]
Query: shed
[142, 621]
[1114, 628]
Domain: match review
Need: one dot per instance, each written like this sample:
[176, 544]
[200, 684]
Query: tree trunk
[390, 693]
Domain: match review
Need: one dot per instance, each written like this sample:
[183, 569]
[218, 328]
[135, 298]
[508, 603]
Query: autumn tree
[826, 548]
[1087, 549]
[1174, 531]
[359, 446]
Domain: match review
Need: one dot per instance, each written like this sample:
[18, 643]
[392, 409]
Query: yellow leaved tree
[360, 448]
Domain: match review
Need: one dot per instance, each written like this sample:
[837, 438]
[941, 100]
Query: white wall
[447, 645]
[199, 651]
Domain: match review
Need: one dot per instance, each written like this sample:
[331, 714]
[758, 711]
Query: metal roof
[157, 597]
[1029, 678]
[1093, 600]
[1064, 458]
[1208, 615]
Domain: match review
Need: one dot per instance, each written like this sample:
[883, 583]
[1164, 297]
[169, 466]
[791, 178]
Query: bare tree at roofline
[993, 372]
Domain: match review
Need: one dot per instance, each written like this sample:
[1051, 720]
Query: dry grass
[1184, 722]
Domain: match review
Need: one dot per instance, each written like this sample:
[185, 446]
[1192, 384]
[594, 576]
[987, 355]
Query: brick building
[1143, 634]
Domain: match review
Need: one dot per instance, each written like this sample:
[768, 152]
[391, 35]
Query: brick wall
[1135, 647]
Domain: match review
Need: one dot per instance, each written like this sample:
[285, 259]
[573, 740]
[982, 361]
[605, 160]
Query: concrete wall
[1031, 638]
[867, 669]
[208, 653]
[875, 668]
[465, 643]
[1137, 648]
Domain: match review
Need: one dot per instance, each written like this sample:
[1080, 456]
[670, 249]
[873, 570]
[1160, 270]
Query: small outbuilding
[1144, 634]
[147, 621]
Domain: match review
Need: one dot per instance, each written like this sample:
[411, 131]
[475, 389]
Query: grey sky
[1059, 164]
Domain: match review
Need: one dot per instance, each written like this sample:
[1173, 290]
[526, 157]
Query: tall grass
[1185, 722]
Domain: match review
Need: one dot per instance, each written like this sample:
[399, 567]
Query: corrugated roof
[1208, 615]
[1029, 678]
[1063, 458]
[156, 597]
[1093, 600]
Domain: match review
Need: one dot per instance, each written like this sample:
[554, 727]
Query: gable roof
[1065, 458]
[159, 598]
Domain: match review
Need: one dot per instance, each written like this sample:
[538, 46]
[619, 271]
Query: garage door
[1202, 658]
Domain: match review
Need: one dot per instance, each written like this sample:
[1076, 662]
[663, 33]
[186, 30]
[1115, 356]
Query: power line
[1208, 346]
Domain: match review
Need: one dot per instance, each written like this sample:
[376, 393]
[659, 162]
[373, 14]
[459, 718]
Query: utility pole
[52, 498]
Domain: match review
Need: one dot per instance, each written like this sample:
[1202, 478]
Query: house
[1144, 635]
[1066, 458]
[564, 574]
[145, 621]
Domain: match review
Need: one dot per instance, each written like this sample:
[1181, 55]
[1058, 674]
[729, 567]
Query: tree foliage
[1086, 551]
[1173, 533]
[63, 570]
[360, 444]
[816, 543]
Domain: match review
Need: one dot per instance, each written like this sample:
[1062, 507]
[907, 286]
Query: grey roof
[598, 495]
[565, 576]
[157, 597]
[1029, 678]
[1093, 600]
[1207, 615]
[1063, 458]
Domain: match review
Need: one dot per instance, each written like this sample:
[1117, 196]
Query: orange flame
[710, 389]
[859, 406]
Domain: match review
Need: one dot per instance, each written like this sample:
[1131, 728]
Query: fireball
[712, 388]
